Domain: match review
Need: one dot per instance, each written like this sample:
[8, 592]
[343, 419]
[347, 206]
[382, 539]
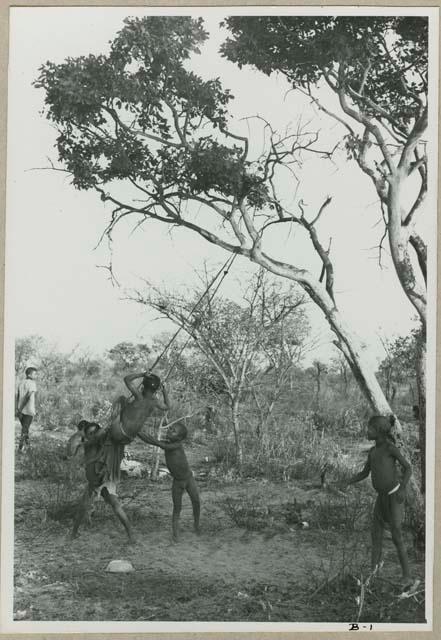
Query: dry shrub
[347, 513]
[295, 450]
[247, 513]
[61, 479]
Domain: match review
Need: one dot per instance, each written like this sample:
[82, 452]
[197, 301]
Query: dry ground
[251, 561]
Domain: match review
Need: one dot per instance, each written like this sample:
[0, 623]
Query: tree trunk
[318, 389]
[362, 369]
[162, 424]
[421, 386]
[236, 429]
[393, 394]
[399, 248]
[344, 375]
[261, 419]
[348, 342]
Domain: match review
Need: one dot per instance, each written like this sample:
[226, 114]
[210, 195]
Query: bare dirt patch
[271, 566]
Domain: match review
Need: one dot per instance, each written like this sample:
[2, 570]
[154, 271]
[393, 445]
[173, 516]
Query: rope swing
[224, 270]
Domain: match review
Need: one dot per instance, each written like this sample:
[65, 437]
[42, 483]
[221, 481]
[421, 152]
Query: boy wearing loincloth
[389, 506]
[182, 475]
[95, 441]
[104, 448]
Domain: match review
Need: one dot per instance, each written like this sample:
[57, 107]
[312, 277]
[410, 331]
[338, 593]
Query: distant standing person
[25, 404]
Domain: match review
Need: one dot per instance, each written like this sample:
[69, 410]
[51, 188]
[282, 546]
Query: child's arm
[166, 405]
[361, 475]
[74, 444]
[24, 401]
[405, 464]
[131, 387]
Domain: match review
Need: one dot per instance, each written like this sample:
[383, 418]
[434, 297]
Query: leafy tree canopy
[382, 60]
[401, 358]
[127, 355]
[139, 114]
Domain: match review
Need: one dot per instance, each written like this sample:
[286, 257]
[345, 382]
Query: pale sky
[55, 288]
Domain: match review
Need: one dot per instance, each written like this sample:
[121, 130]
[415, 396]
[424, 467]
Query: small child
[183, 479]
[94, 440]
[389, 506]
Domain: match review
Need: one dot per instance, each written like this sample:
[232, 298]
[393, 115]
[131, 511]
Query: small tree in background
[127, 355]
[27, 351]
[236, 339]
[399, 365]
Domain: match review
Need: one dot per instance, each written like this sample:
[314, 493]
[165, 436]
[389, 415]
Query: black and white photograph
[220, 319]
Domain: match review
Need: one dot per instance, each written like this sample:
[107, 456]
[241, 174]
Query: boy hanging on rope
[105, 448]
[129, 416]
[389, 506]
[183, 479]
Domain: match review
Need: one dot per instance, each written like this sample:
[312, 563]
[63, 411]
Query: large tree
[375, 71]
[155, 141]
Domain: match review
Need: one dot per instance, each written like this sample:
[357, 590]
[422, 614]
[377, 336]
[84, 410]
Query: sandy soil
[227, 573]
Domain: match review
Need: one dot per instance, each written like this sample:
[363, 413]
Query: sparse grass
[346, 513]
[61, 480]
[296, 450]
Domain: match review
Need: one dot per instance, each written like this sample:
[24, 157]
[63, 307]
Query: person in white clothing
[25, 404]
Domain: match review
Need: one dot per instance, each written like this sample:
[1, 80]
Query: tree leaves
[393, 50]
[137, 113]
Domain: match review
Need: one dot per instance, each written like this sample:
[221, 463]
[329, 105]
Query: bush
[296, 450]
[46, 460]
[61, 480]
[223, 451]
[347, 513]
[247, 514]
[249, 511]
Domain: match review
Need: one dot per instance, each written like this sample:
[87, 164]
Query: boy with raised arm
[182, 475]
[128, 418]
[382, 465]
[105, 448]
[129, 415]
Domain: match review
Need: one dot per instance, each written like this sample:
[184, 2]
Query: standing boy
[25, 404]
[382, 464]
[182, 475]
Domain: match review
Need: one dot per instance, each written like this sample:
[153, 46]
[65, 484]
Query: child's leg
[396, 521]
[25, 422]
[193, 492]
[377, 535]
[118, 511]
[82, 511]
[177, 491]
